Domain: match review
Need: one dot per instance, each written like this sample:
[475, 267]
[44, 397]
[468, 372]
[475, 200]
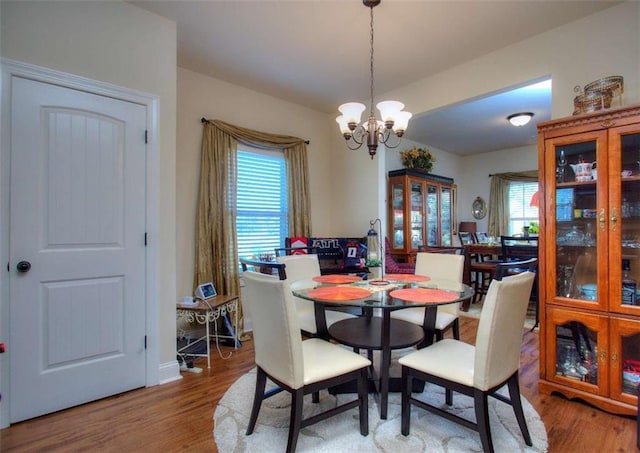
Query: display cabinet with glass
[421, 212]
[590, 257]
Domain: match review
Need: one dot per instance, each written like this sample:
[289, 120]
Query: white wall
[474, 178]
[202, 96]
[121, 44]
[606, 43]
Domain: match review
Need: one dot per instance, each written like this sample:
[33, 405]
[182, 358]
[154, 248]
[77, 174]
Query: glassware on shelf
[589, 238]
[574, 236]
[566, 286]
[561, 168]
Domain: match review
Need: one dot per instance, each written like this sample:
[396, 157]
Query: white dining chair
[300, 270]
[477, 371]
[437, 266]
[296, 366]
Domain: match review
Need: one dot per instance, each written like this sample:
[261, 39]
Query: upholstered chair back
[300, 271]
[500, 330]
[441, 266]
[300, 267]
[276, 331]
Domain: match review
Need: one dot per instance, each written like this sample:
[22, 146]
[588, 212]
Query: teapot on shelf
[584, 171]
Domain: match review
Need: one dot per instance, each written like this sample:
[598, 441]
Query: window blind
[262, 218]
[521, 213]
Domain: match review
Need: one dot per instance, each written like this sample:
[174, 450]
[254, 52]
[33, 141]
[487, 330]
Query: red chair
[391, 266]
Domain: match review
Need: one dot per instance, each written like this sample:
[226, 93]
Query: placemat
[335, 293]
[337, 279]
[424, 295]
[405, 278]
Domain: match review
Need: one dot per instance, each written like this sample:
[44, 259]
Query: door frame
[11, 68]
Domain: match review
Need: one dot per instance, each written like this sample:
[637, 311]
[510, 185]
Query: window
[521, 213]
[262, 223]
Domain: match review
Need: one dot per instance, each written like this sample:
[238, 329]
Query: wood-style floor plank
[178, 416]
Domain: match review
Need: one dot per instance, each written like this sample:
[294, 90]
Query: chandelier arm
[353, 148]
[391, 146]
[358, 137]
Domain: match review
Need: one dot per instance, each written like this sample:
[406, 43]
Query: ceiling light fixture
[394, 119]
[520, 119]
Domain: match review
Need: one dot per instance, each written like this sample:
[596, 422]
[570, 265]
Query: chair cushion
[324, 360]
[416, 316]
[307, 319]
[448, 359]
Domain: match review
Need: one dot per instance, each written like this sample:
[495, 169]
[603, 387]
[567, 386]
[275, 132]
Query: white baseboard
[169, 372]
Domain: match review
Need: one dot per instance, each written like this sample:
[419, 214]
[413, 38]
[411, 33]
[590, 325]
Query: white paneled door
[77, 247]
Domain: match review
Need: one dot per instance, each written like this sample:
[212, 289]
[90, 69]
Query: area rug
[341, 433]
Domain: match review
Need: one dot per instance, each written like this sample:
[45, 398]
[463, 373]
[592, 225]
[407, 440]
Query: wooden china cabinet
[422, 212]
[589, 265]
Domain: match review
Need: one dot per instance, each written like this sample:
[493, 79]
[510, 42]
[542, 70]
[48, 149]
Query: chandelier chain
[371, 63]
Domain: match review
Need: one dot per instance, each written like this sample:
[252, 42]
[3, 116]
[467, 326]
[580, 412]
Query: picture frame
[479, 208]
[206, 291]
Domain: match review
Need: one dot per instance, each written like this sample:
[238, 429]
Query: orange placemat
[335, 293]
[424, 295]
[405, 278]
[337, 279]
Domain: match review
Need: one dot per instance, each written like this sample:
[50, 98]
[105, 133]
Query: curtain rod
[204, 120]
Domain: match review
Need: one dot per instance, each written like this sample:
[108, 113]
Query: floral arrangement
[418, 158]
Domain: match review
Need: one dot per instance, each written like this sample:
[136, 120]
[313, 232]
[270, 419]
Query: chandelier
[394, 119]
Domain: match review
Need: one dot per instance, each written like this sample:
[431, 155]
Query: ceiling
[316, 53]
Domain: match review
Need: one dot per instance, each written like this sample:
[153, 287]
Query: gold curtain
[499, 199]
[216, 254]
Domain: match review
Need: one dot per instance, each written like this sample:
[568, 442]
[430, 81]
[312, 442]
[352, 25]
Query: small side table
[206, 312]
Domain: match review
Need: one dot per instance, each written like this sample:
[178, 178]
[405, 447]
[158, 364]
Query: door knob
[23, 266]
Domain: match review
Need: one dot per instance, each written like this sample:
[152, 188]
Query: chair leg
[407, 384]
[315, 397]
[363, 406]
[258, 396]
[448, 396]
[482, 419]
[516, 402]
[455, 328]
[297, 398]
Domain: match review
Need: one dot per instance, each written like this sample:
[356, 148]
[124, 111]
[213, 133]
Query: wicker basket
[612, 84]
[598, 95]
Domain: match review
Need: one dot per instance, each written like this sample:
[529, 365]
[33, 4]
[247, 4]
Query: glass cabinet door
[417, 214]
[625, 359]
[397, 195]
[577, 357]
[624, 230]
[432, 215]
[445, 216]
[580, 226]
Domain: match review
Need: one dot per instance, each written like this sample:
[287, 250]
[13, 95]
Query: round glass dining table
[375, 329]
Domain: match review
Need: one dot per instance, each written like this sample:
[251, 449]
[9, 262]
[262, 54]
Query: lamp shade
[390, 110]
[352, 111]
[535, 199]
[344, 124]
[470, 227]
[401, 123]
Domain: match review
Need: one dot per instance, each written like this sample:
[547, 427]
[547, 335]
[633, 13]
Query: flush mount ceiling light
[520, 119]
[394, 119]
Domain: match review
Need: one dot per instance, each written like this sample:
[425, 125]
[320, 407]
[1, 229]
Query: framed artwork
[479, 208]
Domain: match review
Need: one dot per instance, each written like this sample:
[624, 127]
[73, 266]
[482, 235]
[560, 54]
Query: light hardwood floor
[178, 417]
